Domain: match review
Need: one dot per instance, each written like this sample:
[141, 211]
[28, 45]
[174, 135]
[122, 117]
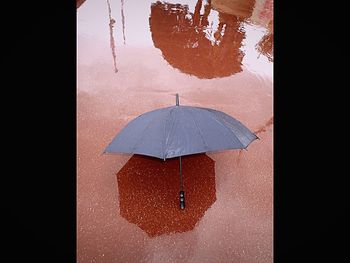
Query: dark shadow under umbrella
[148, 188]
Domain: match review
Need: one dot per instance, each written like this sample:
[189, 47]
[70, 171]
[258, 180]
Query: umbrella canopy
[181, 130]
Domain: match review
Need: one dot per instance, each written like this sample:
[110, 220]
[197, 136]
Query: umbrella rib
[213, 116]
[164, 136]
[168, 135]
[165, 146]
[143, 134]
[239, 128]
[200, 132]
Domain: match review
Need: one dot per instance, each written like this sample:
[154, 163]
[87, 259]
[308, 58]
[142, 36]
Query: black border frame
[39, 114]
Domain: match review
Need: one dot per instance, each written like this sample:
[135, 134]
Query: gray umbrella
[181, 130]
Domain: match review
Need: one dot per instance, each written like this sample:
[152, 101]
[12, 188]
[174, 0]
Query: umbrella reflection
[149, 188]
[189, 43]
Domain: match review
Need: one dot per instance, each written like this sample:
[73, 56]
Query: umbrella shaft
[182, 193]
[181, 179]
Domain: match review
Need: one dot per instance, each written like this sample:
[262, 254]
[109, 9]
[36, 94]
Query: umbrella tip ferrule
[177, 99]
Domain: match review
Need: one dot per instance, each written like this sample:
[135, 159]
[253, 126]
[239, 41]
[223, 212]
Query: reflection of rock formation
[182, 38]
[262, 13]
[80, 2]
[265, 45]
[267, 11]
[149, 189]
[239, 8]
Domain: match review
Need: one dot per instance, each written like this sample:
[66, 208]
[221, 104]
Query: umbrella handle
[182, 200]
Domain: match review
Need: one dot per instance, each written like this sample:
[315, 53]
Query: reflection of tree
[265, 45]
[112, 41]
[123, 18]
[182, 38]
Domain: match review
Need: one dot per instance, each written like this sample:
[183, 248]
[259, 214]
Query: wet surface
[216, 54]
